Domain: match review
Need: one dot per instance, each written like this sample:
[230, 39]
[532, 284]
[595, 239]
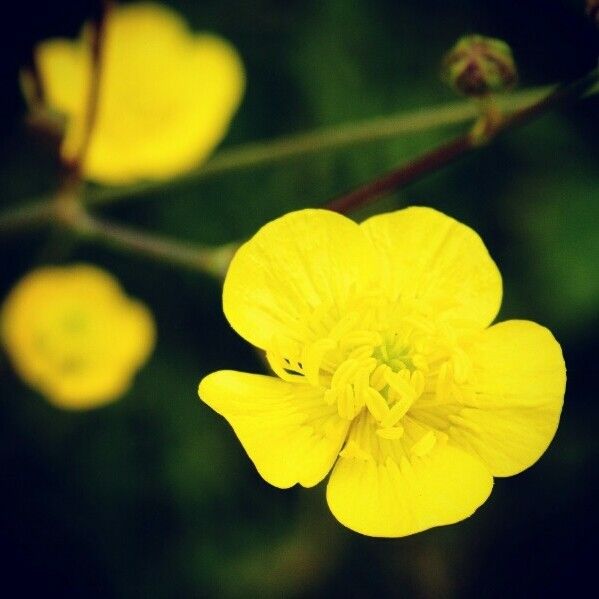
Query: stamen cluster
[381, 357]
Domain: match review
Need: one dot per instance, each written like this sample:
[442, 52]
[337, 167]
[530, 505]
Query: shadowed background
[153, 496]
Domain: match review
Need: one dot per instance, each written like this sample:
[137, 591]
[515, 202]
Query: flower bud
[478, 65]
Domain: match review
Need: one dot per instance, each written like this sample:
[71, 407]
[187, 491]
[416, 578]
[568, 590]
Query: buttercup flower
[73, 335]
[387, 369]
[166, 96]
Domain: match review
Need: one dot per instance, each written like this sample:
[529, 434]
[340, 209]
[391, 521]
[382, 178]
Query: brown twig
[97, 41]
[403, 176]
[450, 151]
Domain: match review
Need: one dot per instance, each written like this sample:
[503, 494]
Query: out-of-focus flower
[72, 334]
[165, 100]
[388, 370]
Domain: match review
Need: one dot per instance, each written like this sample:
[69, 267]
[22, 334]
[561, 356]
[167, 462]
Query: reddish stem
[456, 148]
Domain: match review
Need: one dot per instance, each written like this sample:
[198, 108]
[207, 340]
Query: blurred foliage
[154, 496]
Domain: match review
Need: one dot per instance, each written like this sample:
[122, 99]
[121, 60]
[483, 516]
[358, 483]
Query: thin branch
[209, 260]
[38, 211]
[448, 152]
[42, 211]
[403, 176]
[34, 213]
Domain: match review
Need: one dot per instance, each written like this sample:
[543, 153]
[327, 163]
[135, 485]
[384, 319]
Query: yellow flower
[388, 370]
[72, 334]
[166, 96]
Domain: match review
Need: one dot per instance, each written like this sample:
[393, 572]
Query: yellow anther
[376, 404]
[369, 364]
[391, 433]
[418, 381]
[443, 386]
[392, 396]
[397, 364]
[361, 352]
[312, 358]
[400, 383]
[344, 399]
[344, 373]
[420, 362]
[377, 378]
[353, 451]
[362, 382]
[397, 412]
[345, 325]
[404, 375]
[358, 402]
[384, 352]
[357, 338]
[348, 405]
[330, 362]
[424, 445]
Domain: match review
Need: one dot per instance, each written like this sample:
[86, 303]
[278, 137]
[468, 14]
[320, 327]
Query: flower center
[379, 356]
[381, 372]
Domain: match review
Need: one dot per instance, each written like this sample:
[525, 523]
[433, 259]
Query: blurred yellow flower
[387, 369]
[166, 95]
[73, 335]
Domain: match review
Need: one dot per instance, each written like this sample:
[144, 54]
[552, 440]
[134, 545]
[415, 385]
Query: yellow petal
[519, 381]
[437, 261]
[379, 490]
[288, 431]
[293, 265]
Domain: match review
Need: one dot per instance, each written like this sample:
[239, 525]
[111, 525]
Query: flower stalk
[259, 154]
[209, 260]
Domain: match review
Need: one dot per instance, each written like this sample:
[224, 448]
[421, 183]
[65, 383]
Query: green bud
[478, 65]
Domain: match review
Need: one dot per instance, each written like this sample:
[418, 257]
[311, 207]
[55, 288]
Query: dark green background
[154, 496]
